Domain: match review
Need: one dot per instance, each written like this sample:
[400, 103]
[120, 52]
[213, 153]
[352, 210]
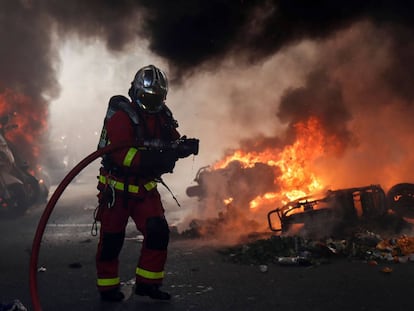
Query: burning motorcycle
[19, 189]
[337, 210]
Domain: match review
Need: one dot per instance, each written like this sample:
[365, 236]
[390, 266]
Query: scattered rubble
[295, 250]
[231, 220]
[16, 305]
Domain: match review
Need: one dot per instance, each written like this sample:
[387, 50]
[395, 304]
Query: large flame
[294, 163]
[25, 137]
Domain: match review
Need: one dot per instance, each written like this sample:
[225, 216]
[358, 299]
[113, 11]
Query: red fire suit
[135, 196]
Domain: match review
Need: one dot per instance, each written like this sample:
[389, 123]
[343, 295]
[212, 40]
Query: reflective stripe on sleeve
[130, 156]
[149, 274]
[108, 282]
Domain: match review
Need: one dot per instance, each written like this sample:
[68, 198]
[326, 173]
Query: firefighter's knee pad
[158, 233]
[111, 245]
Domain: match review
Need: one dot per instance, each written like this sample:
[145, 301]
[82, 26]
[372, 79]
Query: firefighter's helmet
[149, 88]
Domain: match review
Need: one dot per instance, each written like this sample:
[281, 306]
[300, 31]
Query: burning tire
[32, 190]
[194, 191]
[400, 199]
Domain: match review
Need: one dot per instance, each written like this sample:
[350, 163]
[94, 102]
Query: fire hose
[48, 211]
[184, 146]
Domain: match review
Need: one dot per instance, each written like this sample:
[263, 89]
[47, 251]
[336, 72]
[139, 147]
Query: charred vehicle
[334, 211]
[19, 189]
[327, 213]
[233, 183]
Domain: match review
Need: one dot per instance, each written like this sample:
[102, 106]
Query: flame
[30, 125]
[262, 199]
[293, 163]
[228, 201]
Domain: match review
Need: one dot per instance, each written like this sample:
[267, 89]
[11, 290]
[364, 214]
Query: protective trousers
[148, 214]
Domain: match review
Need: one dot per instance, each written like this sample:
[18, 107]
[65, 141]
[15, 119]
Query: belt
[119, 185]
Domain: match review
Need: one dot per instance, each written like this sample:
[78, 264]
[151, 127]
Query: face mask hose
[48, 211]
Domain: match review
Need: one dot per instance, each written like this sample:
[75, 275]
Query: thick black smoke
[186, 33]
[189, 35]
[321, 98]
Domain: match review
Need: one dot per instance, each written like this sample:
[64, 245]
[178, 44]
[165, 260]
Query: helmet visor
[151, 102]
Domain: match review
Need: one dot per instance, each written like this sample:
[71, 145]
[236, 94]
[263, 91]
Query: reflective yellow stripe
[130, 156]
[108, 282]
[150, 185]
[119, 185]
[149, 274]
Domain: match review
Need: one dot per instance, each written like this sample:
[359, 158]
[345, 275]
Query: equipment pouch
[106, 197]
[110, 196]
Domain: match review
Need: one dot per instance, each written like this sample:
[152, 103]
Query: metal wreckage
[367, 206]
[336, 210]
[361, 222]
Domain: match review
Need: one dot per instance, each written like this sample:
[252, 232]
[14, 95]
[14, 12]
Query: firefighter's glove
[168, 157]
[154, 163]
[187, 146]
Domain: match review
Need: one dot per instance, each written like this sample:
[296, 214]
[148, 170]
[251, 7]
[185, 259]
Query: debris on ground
[16, 305]
[295, 250]
[229, 221]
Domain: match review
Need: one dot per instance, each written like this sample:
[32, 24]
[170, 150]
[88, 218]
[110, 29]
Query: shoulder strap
[170, 119]
[116, 103]
[119, 102]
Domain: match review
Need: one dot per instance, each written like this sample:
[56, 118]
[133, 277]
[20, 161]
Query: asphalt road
[198, 277]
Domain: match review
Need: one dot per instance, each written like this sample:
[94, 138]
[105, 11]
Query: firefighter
[128, 182]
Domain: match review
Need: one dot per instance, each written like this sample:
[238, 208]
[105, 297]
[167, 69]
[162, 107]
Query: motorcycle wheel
[32, 189]
[400, 199]
[17, 204]
[194, 191]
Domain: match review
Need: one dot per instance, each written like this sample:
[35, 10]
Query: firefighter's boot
[151, 290]
[113, 295]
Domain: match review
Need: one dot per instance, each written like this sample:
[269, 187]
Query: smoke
[360, 64]
[189, 36]
[186, 34]
[243, 73]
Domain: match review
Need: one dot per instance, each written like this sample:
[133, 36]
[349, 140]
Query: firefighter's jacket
[137, 162]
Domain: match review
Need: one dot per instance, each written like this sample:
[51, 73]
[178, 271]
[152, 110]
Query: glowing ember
[228, 201]
[293, 164]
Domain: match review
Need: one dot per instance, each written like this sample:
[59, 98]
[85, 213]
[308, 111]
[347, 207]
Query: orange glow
[30, 125]
[293, 163]
[228, 201]
[264, 199]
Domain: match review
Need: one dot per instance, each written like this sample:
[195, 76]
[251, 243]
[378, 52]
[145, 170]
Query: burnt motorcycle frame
[334, 208]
